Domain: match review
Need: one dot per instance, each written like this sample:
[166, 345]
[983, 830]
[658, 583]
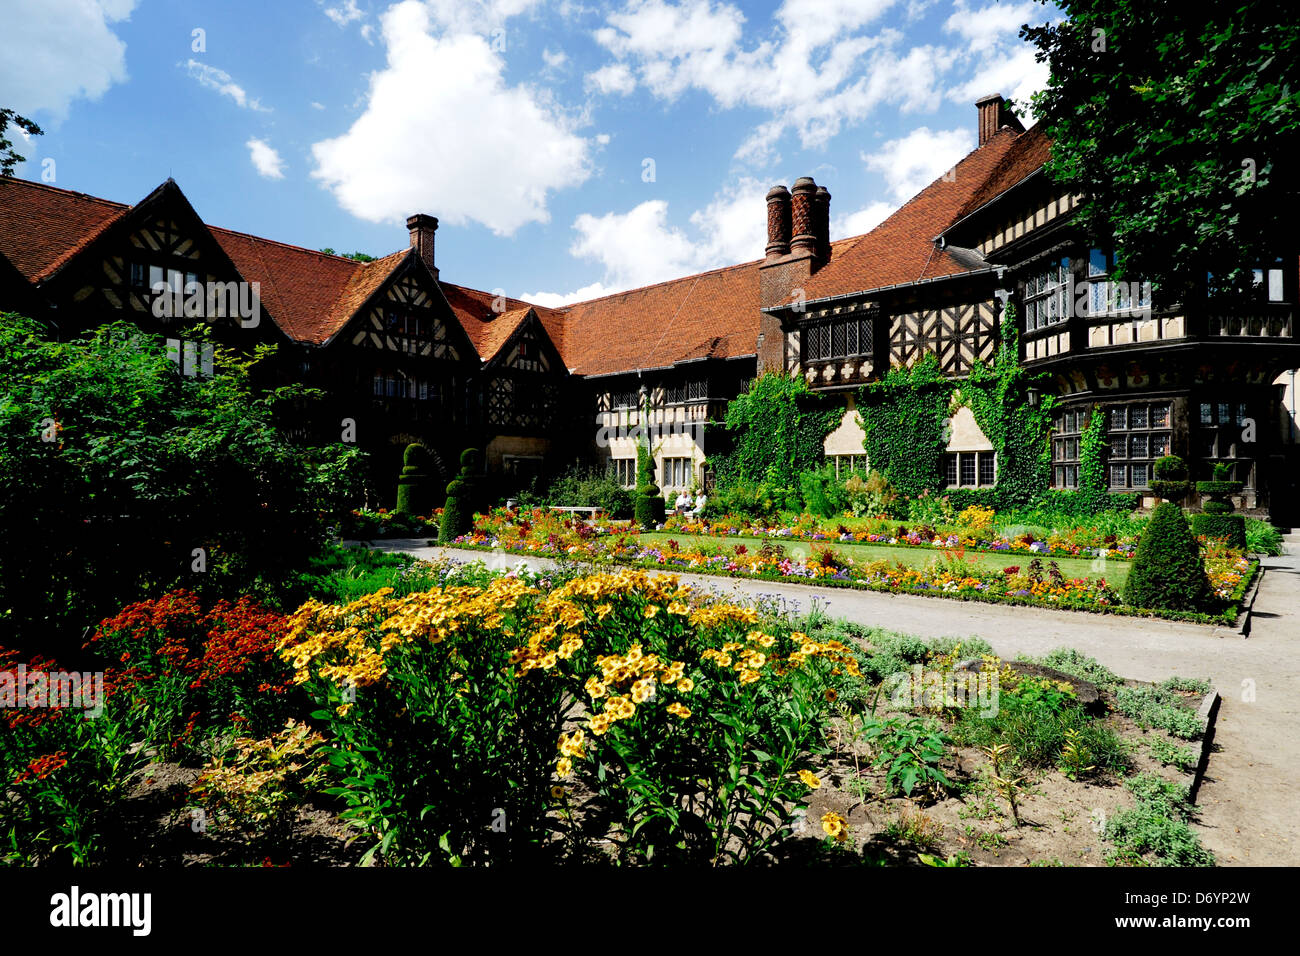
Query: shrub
[1230, 527]
[823, 494]
[1157, 826]
[1262, 538]
[462, 493]
[1161, 708]
[415, 485]
[585, 488]
[1170, 480]
[1167, 571]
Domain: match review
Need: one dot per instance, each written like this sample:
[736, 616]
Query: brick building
[406, 355]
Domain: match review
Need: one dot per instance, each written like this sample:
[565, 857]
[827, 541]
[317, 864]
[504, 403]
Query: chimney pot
[995, 113]
[778, 222]
[422, 227]
[804, 238]
[822, 222]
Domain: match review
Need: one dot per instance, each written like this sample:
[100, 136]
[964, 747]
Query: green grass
[1116, 571]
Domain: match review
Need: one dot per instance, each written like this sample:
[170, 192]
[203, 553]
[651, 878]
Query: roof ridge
[654, 285]
[67, 192]
[295, 246]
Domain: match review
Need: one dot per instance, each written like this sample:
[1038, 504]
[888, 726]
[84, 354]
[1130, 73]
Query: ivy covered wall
[903, 418]
[777, 430]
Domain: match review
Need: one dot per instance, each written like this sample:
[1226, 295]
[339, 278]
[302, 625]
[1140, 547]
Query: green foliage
[462, 495]
[1158, 826]
[1171, 755]
[1170, 478]
[903, 423]
[1067, 660]
[1093, 448]
[583, 488]
[415, 485]
[1161, 708]
[1167, 572]
[910, 751]
[778, 430]
[1262, 538]
[823, 494]
[1217, 195]
[9, 157]
[998, 397]
[114, 469]
[649, 508]
[1230, 527]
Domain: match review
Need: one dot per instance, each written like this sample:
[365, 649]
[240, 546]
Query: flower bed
[544, 535]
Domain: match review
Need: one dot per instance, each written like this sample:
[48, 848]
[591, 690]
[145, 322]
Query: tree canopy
[1180, 123]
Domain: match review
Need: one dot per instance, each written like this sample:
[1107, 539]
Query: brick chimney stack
[994, 113]
[778, 222]
[422, 228]
[802, 216]
[822, 222]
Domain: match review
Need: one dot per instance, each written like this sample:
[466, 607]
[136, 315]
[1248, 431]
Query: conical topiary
[649, 508]
[415, 485]
[462, 495]
[1167, 573]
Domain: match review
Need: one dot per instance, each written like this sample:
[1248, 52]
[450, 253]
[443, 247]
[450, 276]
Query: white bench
[591, 512]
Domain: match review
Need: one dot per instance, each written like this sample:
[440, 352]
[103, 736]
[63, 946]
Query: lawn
[1115, 573]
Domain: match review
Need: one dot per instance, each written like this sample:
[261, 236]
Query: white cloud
[265, 159]
[343, 13]
[861, 221]
[556, 299]
[53, 52]
[413, 150]
[986, 28]
[820, 68]
[223, 83]
[555, 60]
[911, 163]
[1016, 76]
[317, 106]
[639, 247]
[611, 78]
[476, 16]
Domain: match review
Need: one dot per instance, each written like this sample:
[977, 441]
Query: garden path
[1249, 798]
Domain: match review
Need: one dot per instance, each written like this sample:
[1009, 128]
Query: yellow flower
[564, 767]
[651, 610]
[686, 685]
[748, 676]
[835, 826]
[595, 688]
[599, 724]
[810, 779]
[558, 793]
[679, 710]
[643, 690]
[603, 610]
[678, 608]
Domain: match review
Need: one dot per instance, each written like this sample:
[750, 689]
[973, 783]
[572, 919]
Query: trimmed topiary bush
[649, 508]
[462, 494]
[1170, 481]
[1167, 573]
[1217, 519]
[415, 485]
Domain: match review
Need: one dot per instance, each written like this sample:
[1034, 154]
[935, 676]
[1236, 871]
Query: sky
[570, 149]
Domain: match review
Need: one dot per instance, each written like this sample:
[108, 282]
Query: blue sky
[569, 148]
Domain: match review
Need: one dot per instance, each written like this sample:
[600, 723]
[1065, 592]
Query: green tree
[120, 478]
[9, 157]
[1180, 123]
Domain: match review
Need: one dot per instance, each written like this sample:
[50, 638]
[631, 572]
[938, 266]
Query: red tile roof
[901, 249]
[312, 295]
[41, 226]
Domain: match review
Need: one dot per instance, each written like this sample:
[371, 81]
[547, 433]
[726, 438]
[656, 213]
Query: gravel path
[1249, 797]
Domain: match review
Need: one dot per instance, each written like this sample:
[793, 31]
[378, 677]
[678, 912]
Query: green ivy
[998, 397]
[778, 429]
[1092, 461]
[903, 422]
